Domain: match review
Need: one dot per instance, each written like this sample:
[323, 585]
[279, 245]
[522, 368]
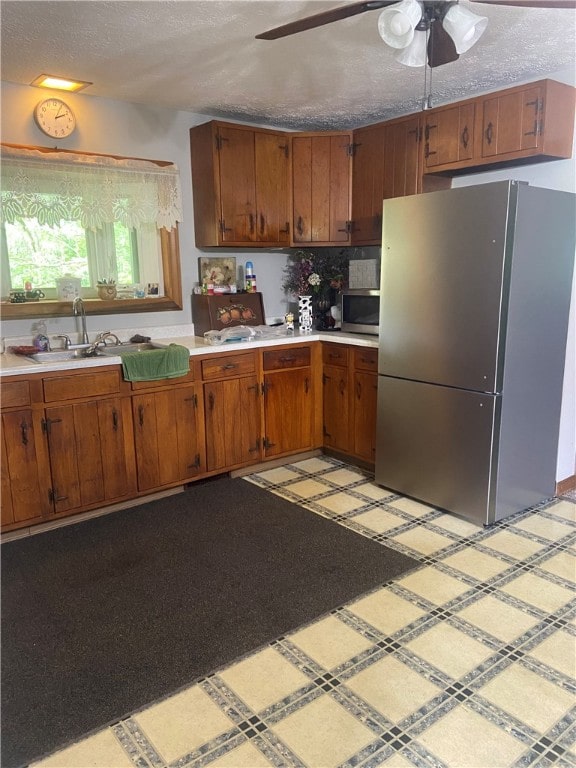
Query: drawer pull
[229, 367]
[141, 415]
[115, 420]
[306, 385]
[24, 432]
[287, 359]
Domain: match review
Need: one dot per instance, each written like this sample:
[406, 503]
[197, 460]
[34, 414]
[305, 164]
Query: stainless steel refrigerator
[474, 304]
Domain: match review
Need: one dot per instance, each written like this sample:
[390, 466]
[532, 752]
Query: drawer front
[83, 385]
[334, 354]
[290, 357]
[227, 367]
[15, 393]
[366, 359]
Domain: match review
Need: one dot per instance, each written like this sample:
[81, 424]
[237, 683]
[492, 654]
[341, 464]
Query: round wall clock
[55, 118]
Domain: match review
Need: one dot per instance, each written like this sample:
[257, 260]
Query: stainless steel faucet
[78, 309]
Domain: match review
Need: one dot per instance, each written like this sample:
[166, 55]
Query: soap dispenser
[41, 341]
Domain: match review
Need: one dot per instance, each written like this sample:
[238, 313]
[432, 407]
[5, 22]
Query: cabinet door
[288, 411]
[272, 165]
[321, 189]
[364, 429]
[237, 184]
[232, 417]
[25, 471]
[167, 434]
[336, 408]
[449, 136]
[401, 152]
[367, 185]
[511, 122]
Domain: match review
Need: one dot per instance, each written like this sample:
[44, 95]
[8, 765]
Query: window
[87, 216]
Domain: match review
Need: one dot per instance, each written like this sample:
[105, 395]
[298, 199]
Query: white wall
[135, 130]
[132, 130]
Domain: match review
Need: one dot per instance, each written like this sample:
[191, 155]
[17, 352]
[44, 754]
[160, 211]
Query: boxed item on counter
[226, 310]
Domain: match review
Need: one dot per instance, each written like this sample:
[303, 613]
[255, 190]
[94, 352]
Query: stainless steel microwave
[360, 310]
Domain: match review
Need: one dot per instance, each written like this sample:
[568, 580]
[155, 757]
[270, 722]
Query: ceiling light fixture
[59, 83]
[432, 32]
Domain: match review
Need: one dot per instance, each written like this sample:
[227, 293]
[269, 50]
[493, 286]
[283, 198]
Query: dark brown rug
[103, 617]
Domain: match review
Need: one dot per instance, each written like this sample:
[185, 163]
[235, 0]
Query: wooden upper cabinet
[528, 121]
[449, 135]
[321, 179]
[240, 185]
[402, 151]
[367, 185]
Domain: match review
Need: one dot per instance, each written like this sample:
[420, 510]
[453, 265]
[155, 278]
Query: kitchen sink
[116, 350]
[62, 355]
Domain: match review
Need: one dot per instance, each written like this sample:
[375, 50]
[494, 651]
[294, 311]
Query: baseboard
[566, 485]
[21, 533]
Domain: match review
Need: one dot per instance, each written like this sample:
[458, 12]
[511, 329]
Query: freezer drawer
[436, 444]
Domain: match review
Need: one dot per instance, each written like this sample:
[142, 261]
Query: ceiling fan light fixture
[396, 24]
[414, 55]
[464, 27]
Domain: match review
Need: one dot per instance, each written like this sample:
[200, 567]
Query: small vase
[107, 292]
[305, 313]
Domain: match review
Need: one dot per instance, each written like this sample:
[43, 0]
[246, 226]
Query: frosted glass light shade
[464, 27]
[416, 54]
[396, 24]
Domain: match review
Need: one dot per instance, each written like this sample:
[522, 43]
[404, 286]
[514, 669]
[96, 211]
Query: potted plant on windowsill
[106, 289]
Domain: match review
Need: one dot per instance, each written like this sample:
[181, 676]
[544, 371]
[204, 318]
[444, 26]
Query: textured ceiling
[201, 56]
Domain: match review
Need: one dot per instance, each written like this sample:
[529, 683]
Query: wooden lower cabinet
[289, 398]
[232, 415]
[350, 381]
[168, 436]
[24, 469]
[87, 449]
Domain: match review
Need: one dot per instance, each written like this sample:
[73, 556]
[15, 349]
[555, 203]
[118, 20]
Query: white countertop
[14, 365]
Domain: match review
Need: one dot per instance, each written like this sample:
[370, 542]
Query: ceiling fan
[432, 32]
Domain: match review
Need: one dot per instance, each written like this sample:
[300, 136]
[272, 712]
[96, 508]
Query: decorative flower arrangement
[315, 272]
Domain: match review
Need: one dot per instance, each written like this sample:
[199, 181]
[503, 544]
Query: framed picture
[218, 271]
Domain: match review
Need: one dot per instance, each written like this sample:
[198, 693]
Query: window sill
[37, 309]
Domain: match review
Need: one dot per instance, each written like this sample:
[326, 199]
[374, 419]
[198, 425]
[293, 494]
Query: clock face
[55, 118]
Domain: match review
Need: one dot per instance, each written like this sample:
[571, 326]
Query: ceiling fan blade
[325, 17]
[571, 4]
[441, 47]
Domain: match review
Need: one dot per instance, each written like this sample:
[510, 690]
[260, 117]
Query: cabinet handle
[228, 366]
[251, 222]
[342, 386]
[115, 420]
[300, 225]
[465, 137]
[358, 390]
[262, 222]
[306, 385]
[211, 400]
[489, 133]
[141, 415]
[287, 359]
[24, 432]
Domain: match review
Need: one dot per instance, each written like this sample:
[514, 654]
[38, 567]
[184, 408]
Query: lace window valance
[93, 189]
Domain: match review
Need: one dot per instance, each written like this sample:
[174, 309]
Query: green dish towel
[152, 364]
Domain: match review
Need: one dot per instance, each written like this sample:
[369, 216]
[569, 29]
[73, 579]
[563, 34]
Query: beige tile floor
[469, 660]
